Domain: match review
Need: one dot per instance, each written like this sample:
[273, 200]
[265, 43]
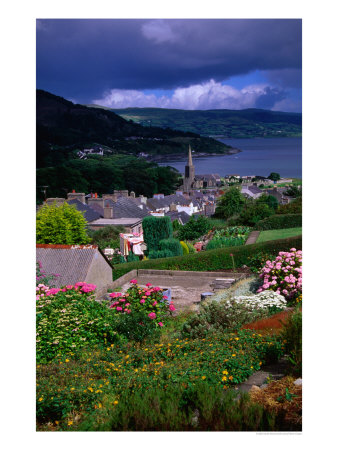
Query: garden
[128, 363]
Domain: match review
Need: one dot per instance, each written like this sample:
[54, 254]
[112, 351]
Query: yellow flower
[231, 377]
[67, 360]
[234, 354]
[204, 377]
[225, 372]
[72, 389]
[224, 378]
[116, 402]
[237, 339]
[70, 422]
[57, 422]
[40, 399]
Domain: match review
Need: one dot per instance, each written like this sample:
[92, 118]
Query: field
[271, 235]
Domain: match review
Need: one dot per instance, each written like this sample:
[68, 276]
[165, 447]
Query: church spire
[190, 157]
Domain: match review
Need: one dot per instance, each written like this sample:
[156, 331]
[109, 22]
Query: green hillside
[245, 123]
[63, 128]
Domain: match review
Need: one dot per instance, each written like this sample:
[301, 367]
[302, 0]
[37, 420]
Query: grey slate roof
[71, 264]
[178, 215]
[158, 203]
[90, 213]
[126, 208]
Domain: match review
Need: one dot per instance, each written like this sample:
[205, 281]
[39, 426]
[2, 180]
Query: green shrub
[107, 237]
[159, 254]
[185, 248]
[218, 259]
[195, 408]
[194, 228]
[218, 317]
[62, 224]
[173, 245]
[279, 221]
[292, 333]
[191, 247]
[132, 257]
[69, 321]
[155, 229]
[225, 242]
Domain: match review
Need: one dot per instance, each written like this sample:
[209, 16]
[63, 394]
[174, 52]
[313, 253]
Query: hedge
[173, 245]
[155, 229]
[218, 259]
[279, 221]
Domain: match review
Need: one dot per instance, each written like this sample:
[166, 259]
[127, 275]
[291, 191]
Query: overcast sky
[178, 63]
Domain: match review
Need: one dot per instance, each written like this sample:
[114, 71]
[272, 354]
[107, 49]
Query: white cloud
[209, 95]
[159, 31]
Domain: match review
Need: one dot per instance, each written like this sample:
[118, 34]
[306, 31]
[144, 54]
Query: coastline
[183, 157]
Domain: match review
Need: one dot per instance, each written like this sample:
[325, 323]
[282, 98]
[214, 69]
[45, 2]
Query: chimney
[96, 201]
[132, 194]
[112, 197]
[143, 199]
[172, 207]
[108, 212]
[76, 195]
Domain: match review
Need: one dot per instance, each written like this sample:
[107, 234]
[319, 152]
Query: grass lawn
[271, 235]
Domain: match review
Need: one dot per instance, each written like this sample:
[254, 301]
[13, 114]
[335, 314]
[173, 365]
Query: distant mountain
[246, 123]
[64, 128]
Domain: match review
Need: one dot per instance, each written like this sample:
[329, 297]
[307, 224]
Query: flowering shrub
[149, 300]
[140, 312]
[97, 380]
[264, 300]
[70, 318]
[284, 274]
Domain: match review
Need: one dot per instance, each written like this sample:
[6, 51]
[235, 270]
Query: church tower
[189, 175]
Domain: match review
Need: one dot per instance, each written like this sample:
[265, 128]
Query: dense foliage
[229, 204]
[228, 237]
[106, 237]
[103, 174]
[62, 224]
[70, 319]
[292, 335]
[295, 207]
[280, 221]
[218, 259]
[173, 245]
[246, 123]
[155, 229]
[194, 228]
[97, 380]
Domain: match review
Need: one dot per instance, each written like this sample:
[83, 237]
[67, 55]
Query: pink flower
[142, 301]
[160, 324]
[133, 281]
[119, 308]
[148, 293]
[172, 307]
[115, 294]
[156, 289]
[152, 315]
[148, 284]
[155, 303]
[165, 297]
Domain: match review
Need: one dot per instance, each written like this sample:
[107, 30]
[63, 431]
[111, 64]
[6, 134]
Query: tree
[274, 176]
[62, 224]
[253, 212]
[270, 200]
[194, 228]
[230, 203]
[294, 191]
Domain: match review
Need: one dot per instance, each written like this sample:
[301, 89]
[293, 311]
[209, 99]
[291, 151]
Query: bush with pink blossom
[149, 302]
[284, 275]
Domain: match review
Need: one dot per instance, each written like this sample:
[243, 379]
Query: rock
[264, 386]
[298, 382]
[254, 388]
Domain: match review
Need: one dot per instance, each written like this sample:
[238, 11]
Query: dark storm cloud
[83, 58]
